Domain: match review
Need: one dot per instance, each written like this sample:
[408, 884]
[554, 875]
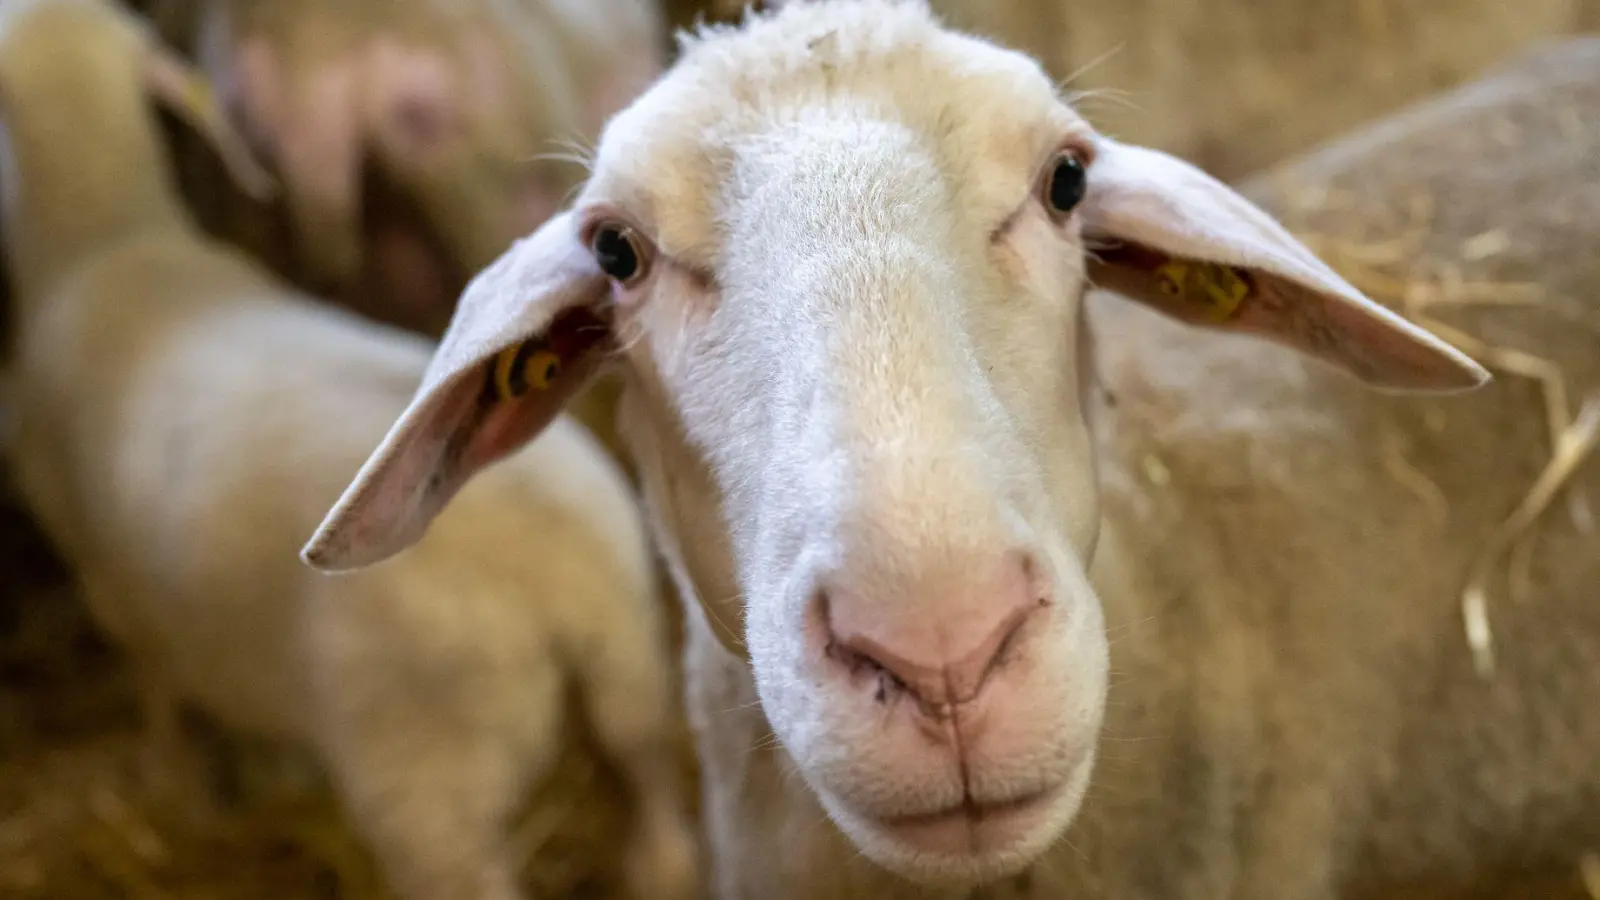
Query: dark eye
[618, 253]
[1068, 181]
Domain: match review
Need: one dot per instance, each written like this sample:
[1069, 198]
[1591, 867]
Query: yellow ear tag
[526, 366]
[1219, 288]
[1172, 278]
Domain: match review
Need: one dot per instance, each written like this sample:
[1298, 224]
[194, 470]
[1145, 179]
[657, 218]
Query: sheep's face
[842, 252]
[856, 313]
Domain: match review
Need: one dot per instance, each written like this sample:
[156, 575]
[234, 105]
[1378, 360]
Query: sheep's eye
[617, 251]
[1068, 182]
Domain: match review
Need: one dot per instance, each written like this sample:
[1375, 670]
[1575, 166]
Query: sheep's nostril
[905, 648]
[859, 663]
[889, 684]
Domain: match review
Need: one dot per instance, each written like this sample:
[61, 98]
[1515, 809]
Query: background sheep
[1235, 85]
[416, 139]
[440, 139]
[855, 371]
[183, 420]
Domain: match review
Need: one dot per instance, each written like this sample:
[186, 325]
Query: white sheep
[183, 421]
[843, 253]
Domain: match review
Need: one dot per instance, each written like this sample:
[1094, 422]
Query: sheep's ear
[1163, 232]
[529, 333]
[188, 94]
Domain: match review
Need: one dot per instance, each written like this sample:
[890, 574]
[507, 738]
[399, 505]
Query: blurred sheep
[182, 420]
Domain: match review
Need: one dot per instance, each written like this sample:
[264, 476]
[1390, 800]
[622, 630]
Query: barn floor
[75, 822]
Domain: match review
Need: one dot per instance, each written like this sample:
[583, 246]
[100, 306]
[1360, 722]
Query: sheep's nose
[942, 643]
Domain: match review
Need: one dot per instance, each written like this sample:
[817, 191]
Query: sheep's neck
[80, 174]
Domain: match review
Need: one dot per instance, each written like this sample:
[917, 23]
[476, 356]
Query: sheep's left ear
[529, 333]
[1165, 233]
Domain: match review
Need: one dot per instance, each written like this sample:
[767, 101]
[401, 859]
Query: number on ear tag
[546, 361]
[1220, 289]
[531, 365]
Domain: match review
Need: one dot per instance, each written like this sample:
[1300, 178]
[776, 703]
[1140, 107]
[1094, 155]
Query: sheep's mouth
[978, 840]
[971, 810]
[971, 829]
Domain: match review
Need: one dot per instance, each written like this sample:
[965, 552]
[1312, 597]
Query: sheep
[1266, 64]
[472, 114]
[183, 418]
[922, 498]
[415, 139]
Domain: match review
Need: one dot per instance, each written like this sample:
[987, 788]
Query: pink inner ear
[581, 339]
[1371, 343]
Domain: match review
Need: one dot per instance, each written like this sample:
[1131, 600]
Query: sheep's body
[182, 421]
[1240, 85]
[1295, 714]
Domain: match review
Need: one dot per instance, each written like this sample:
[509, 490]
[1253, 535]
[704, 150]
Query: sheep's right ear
[188, 94]
[1167, 234]
[530, 331]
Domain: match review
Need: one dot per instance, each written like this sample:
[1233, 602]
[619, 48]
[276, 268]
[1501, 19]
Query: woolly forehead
[979, 120]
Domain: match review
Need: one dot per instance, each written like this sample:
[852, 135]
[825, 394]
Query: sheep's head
[456, 106]
[841, 253]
